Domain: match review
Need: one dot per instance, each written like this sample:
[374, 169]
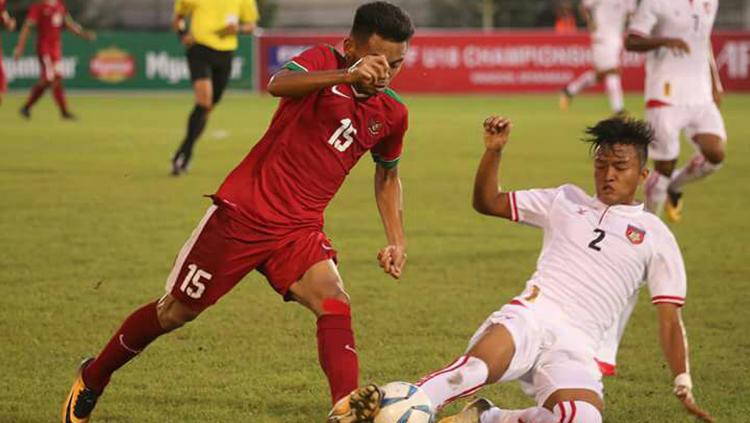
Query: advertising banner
[120, 60]
[517, 61]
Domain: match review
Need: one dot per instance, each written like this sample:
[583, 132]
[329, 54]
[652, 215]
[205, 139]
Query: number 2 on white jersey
[343, 137]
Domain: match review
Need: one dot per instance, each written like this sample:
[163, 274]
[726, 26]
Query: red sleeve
[33, 15]
[2, 5]
[320, 57]
[387, 152]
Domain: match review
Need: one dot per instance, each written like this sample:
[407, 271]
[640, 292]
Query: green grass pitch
[90, 222]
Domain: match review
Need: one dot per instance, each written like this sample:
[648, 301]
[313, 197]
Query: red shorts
[222, 250]
[50, 65]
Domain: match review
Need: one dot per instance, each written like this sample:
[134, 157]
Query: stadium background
[90, 221]
[460, 53]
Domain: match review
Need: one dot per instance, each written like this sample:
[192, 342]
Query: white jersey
[609, 17]
[596, 257]
[672, 79]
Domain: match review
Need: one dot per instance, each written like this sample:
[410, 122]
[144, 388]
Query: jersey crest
[374, 126]
[635, 235]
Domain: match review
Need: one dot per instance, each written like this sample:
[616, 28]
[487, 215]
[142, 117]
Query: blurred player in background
[597, 253]
[8, 23]
[49, 17]
[268, 213]
[683, 93]
[210, 39]
[606, 21]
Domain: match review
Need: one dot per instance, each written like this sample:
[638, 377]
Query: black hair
[385, 19]
[621, 130]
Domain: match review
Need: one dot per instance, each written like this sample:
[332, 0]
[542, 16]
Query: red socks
[136, 332]
[36, 92]
[59, 93]
[336, 349]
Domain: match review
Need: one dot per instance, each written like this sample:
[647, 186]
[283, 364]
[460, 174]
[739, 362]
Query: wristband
[683, 384]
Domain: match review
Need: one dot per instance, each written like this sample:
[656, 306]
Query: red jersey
[290, 176]
[49, 20]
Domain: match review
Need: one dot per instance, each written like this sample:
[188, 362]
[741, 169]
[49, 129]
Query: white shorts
[606, 52]
[669, 121]
[549, 355]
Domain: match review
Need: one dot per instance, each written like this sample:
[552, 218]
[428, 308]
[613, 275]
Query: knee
[715, 156]
[330, 298]
[172, 314]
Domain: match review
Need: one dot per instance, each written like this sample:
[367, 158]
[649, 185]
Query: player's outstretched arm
[21, 45]
[640, 43]
[390, 206]
[365, 73]
[488, 197]
[674, 344]
[74, 27]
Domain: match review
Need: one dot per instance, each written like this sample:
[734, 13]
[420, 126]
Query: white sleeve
[665, 273]
[532, 206]
[644, 19]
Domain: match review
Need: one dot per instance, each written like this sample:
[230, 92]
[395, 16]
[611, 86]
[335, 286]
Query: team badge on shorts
[635, 235]
[374, 126]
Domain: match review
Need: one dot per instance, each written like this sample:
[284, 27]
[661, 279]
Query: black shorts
[205, 62]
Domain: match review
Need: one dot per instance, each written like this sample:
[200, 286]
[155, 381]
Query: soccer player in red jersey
[49, 17]
[268, 213]
[10, 24]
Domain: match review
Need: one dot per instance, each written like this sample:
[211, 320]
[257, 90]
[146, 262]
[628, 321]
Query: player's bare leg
[204, 93]
[141, 328]
[709, 160]
[485, 362]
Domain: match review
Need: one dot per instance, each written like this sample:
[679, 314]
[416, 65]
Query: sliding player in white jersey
[606, 21]
[683, 92]
[597, 253]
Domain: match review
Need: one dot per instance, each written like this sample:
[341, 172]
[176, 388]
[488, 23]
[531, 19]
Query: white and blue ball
[404, 403]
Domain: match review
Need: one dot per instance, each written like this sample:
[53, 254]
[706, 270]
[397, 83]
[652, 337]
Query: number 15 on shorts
[195, 282]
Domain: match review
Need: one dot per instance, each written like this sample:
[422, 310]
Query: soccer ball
[404, 403]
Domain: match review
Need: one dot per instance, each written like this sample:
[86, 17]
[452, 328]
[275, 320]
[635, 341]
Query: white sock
[583, 81]
[461, 378]
[577, 412]
[698, 168]
[614, 92]
[656, 191]
[528, 415]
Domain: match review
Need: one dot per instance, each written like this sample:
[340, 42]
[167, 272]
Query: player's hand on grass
[187, 40]
[89, 35]
[683, 390]
[10, 24]
[393, 259]
[496, 132]
[369, 72]
[677, 46]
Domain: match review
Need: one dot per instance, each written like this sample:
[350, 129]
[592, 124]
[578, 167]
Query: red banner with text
[518, 61]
